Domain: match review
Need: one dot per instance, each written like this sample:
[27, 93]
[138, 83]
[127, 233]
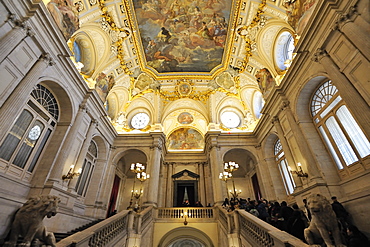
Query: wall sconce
[71, 174]
[185, 215]
[300, 172]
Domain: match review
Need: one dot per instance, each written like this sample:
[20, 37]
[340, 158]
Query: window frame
[321, 113]
[38, 113]
[280, 161]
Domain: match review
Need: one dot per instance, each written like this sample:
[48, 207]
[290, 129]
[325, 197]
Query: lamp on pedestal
[142, 176]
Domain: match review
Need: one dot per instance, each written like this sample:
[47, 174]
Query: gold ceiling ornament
[122, 35]
[185, 89]
[243, 32]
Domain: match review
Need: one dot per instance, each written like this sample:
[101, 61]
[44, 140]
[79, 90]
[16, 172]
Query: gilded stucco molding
[244, 33]
[121, 34]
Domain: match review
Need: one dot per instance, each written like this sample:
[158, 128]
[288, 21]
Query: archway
[185, 235]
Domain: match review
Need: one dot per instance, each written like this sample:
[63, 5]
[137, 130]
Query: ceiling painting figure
[65, 15]
[183, 36]
[185, 118]
[185, 139]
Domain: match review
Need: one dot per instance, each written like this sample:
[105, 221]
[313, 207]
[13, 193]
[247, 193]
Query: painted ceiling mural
[185, 139]
[183, 35]
[131, 51]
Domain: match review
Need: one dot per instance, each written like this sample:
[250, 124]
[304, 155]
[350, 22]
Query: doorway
[256, 187]
[185, 189]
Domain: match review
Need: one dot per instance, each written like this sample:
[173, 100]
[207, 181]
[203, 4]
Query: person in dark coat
[356, 238]
[340, 212]
[296, 225]
[262, 211]
[284, 215]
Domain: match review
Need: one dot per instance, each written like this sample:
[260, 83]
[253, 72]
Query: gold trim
[248, 41]
[119, 43]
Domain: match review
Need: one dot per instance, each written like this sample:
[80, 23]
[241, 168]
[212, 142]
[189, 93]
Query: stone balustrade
[116, 230]
[106, 233]
[256, 232]
[192, 213]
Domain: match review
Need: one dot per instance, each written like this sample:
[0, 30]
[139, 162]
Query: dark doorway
[185, 188]
[113, 196]
[256, 187]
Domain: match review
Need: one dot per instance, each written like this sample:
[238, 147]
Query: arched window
[284, 168]
[284, 48]
[342, 135]
[22, 146]
[258, 103]
[87, 169]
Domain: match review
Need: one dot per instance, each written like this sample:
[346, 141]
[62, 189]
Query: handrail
[259, 233]
[100, 234]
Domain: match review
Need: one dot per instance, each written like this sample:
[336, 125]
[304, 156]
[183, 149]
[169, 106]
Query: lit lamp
[230, 168]
[224, 176]
[185, 215]
[71, 174]
[235, 193]
[142, 176]
[300, 172]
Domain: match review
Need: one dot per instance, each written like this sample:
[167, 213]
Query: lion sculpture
[322, 224]
[28, 221]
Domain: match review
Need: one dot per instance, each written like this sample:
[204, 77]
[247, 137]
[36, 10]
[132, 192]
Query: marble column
[15, 36]
[151, 193]
[355, 103]
[355, 33]
[219, 187]
[202, 189]
[81, 157]
[169, 187]
[288, 154]
[60, 163]
[309, 162]
[19, 97]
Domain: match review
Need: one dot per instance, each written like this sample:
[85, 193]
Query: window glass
[28, 144]
[15, 135]
[354, 131]
[342, 135]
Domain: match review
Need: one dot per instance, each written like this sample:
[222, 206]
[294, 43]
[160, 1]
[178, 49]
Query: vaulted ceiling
[183, 50]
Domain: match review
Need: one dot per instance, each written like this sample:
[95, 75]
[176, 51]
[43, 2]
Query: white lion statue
[322, 224]
[28, 221]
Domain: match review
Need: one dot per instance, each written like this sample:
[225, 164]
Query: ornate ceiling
[163, 58]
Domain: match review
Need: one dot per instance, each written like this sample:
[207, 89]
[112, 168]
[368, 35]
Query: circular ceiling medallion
[230, 119]
[140, 120]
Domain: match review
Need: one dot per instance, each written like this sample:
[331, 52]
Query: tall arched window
[284, 168]
[22, 146]
[342, 135]
[87, 169]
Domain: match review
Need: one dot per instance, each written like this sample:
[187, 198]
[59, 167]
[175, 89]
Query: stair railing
[105, 233]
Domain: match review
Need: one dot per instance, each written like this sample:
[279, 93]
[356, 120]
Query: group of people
[294, 220]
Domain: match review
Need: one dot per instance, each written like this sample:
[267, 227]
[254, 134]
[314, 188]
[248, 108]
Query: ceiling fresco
[176, 37]
[200, 57]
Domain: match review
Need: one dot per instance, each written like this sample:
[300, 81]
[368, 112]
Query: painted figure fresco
[299, 12]
[65, 15]
[184, 89]
[103, 85]
[266, 81]
[185, 118]
[181, 36]
[185, 139]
